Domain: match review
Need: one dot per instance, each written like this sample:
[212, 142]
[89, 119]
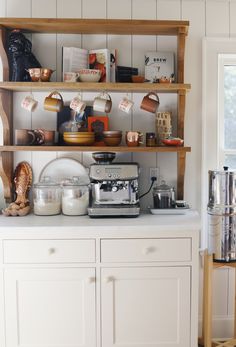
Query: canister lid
[74, 181]
[46, 181]
[163, 187]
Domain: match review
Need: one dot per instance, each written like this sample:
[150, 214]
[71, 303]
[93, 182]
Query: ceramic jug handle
[55, 92]
[155, 94]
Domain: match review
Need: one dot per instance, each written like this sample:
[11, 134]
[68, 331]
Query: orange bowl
[173, 142]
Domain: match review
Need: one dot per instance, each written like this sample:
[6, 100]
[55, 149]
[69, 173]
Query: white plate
[177, 210]
[62, 168]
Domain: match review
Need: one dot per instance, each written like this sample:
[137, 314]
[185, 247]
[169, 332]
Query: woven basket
[163, 125]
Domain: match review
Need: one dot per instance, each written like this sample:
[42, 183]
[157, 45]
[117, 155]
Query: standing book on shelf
[159, 64]
[73, 59]
[99, 59]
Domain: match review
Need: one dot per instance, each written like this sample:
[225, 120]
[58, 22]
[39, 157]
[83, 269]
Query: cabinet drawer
[134, 250]
[48, 251]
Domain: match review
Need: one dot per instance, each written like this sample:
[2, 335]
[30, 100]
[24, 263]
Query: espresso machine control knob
[114, 188]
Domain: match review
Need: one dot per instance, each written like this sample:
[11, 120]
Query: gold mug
[53, 104]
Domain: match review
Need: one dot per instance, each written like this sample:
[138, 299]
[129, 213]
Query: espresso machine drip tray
[114, 211]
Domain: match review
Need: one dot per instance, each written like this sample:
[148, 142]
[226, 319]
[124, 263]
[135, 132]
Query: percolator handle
[226, 168]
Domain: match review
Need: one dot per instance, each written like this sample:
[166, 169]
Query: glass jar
[75, 197]
[150, 139]
[47, 197]
[163, 196]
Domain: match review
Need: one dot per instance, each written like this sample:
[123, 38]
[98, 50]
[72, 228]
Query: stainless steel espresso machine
[114, 190]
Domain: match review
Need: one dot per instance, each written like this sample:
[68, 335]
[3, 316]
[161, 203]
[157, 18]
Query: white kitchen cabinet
[80, 282]
[146, 306]
[50, 307]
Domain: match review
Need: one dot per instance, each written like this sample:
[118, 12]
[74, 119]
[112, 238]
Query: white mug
[102, 103]
[29, 103]
[70, 77]
[77, 104]
[125, 105]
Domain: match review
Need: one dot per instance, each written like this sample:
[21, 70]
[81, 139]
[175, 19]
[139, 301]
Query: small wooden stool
[206, 339]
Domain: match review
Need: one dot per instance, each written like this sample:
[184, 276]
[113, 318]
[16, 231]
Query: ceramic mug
[70, 76]
[29, 103]
[133, 138]
[125, 105]
[149, 103]
[102, 103]
[24, 137]
[53, 104]
[77, 104]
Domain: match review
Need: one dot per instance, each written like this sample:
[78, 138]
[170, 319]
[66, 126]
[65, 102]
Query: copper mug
[53, 104]
[150, 104]
[48, 136]
[133, 138]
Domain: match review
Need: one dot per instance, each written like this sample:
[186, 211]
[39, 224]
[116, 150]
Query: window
[227, 110]
[218, 113]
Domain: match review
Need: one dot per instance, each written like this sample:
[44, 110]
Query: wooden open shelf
[97, 26]
[90, 26]
[94, 149]
[84, 86]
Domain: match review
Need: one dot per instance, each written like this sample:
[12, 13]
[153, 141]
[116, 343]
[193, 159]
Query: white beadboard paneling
[138, 11]
[142, 120]
[232, 18]
[39, 160]
[119, 9]
[42, 43]
[168, 9]
[142, 45]
[145, 160]
[43, 9]
[72, 155]
[119, 120]
[94, 41]
[217, 18]
[194, 11]
[69, 8]
[3, 8]
[94, 9]
[18, 8]
[40, 117]
[22, 119]
[165, 161]
[123, 46]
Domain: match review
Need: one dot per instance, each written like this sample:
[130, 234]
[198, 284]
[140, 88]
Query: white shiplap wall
[207, 18]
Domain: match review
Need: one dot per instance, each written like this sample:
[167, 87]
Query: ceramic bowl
[89, 75]
[103, 157]
[112, 133]
[137, 79]
[173, 141]
[112, 141]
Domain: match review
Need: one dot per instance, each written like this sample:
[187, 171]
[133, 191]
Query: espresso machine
[114, 190]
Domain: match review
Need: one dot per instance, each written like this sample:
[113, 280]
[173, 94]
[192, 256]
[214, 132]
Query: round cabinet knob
[108, 279]
[90, 280]
[52, 250]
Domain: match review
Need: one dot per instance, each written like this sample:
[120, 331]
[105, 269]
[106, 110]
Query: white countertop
[189, 221]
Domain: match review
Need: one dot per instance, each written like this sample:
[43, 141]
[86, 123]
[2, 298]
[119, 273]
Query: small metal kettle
[163, 196]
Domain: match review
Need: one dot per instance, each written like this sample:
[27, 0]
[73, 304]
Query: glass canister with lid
[47, 197]
[163, 196]
[75, 197]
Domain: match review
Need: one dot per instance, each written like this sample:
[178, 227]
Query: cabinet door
[144, 307]
[50, 307]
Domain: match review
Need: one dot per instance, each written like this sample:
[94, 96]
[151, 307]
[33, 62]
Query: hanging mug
[150, 104]
[53, 104]
[102, 103]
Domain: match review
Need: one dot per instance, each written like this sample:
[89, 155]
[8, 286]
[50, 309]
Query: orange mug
[150, 104]
[53, 104]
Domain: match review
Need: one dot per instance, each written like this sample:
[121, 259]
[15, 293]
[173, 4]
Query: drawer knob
[52, 250]
[148, 250]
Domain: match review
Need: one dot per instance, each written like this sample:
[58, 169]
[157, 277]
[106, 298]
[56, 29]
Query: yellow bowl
[85, 141]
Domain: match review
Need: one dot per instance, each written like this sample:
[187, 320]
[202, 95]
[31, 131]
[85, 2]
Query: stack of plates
[79, 138]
